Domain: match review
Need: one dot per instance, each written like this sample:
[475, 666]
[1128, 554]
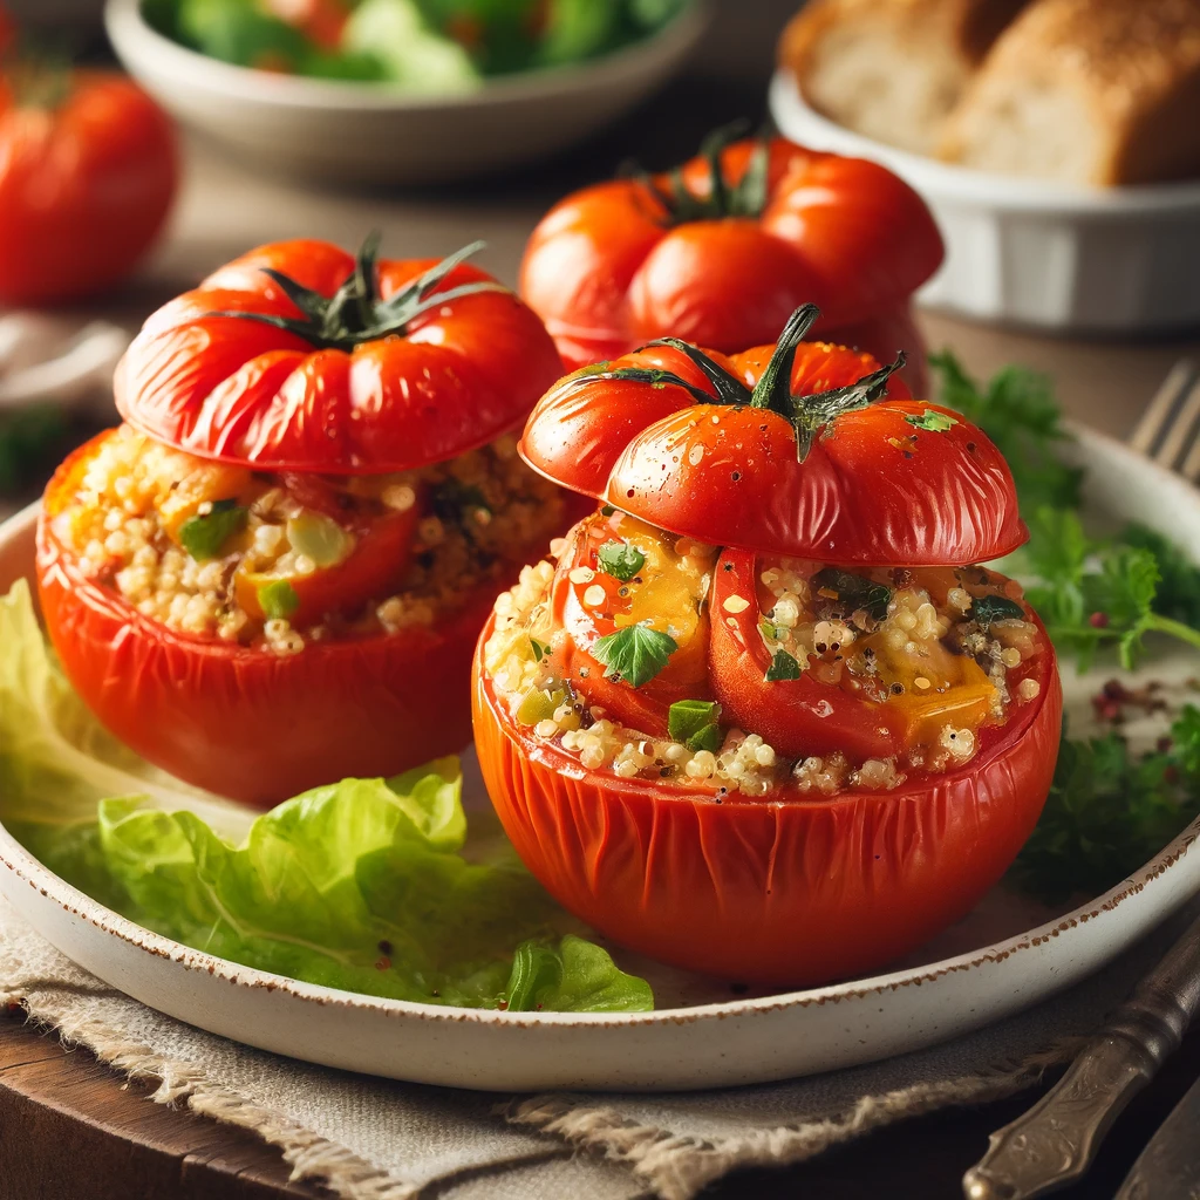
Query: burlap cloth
[370, 1139]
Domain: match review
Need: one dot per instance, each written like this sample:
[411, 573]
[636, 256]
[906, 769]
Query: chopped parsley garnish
[278, 600]
[986, 610]
[934, 422]
[621, 560]
[203, 537]
[695, 723]
[540, 649]
[1110, 810]
[854, 591]
[636, 653]
[783, 666]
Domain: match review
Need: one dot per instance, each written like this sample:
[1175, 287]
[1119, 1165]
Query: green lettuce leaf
[362, 885]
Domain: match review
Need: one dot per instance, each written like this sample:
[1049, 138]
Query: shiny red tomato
[834, 477]
[300, 361]
[87, 177]
[245, 723]
[790, 889]
[298, 357]
[816, 463]
[720, 252]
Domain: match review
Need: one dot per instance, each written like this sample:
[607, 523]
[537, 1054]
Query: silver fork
[1169, 431]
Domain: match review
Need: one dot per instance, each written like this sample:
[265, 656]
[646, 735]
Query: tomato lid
[300, 357]
[802, 449]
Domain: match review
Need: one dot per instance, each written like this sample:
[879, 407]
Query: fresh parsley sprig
[636, 653]
[1110, 810]
[1089, 592]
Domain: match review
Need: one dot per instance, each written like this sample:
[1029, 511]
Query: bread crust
[1130, 69]
[968, 27]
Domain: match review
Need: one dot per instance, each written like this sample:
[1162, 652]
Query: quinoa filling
[277, 561]
[946, 651]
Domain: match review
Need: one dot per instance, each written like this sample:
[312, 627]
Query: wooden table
[67, 1127]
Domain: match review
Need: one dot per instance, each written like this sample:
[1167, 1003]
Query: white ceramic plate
[1001, 959]
[1034, 251]
[341, 132]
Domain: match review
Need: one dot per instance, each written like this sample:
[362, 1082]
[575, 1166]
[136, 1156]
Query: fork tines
[1169, 431]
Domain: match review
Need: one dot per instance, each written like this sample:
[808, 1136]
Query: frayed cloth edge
[677, 1167]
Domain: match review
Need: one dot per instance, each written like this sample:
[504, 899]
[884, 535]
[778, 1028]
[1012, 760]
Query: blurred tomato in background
[88, 171]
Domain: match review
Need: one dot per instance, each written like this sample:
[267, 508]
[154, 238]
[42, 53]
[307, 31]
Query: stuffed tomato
[272, 575]
[766, 716]
[720, 250]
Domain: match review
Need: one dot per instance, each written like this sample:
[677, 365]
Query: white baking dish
[1033, 252]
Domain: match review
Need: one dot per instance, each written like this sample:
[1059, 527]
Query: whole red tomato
[796, 452]
[722, 249]
[88, 170]
[303, 364]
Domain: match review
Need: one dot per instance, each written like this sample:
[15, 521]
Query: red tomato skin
[84, 189]
[241, 391]
[605, 270]
[251, 725]
[877, 490]
[874, 488]
[885, 336]
[789, 891]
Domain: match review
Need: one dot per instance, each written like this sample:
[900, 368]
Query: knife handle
[1057, 1139]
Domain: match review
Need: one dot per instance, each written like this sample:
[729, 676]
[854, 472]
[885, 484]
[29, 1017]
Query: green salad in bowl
[429, 47]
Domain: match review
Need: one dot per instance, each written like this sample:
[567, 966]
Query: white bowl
[1035, 252]
[373, 133]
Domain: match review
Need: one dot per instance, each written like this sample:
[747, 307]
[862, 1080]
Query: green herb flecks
[636, 653]
[783, 666]
[540, 649]
[987, 610]
[695, 723]
[854, 591]
[1110, 810]
[934, 422]
[621, 560]
[278, 600]
[204, 536]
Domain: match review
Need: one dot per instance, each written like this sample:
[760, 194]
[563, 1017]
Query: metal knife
[1055, 1142]
[1169, 1167]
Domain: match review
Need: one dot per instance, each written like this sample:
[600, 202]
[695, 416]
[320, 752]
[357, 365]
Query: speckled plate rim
[1054, 955]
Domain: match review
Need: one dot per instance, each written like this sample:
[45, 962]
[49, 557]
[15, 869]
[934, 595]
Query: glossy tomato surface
[898, 481]
[245, 723]
[444, 361]
[622, 262]
[85, 186]
[793, 889]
